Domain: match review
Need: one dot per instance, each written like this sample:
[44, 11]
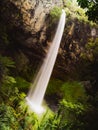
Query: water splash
[38, 88]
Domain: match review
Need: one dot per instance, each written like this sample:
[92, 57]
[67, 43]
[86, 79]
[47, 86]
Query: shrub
[71, 115]
[55, 14]
[54, 86]
[73, 91]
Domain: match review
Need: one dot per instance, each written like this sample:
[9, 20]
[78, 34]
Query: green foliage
[11, 87]
[71, 115]
[89, 62]
[55, 14]
[73, 109]
[49, 121]
[8, 120]
[6, 61]
[16, 119]
[78, 107]
[21, 84]
[5, 64]
[90, 54]
[73, 91]
[92, 8]
[70, 90]
[14, 114]
[54, 86]
[4, 36]
[46, 122]
[74, 11]
[92, 47]
[7, 87]
[84, 3]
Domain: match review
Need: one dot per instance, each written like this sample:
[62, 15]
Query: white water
[37, 91]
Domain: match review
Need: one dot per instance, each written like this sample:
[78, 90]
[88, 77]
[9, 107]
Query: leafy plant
[54, 86]
[49, 121]
[18, 118]
[73, 91]
[91, 7]
[55, 13]
[5, 64]
[72, 115]
[21, 84]
[6, 61]
[8, 118]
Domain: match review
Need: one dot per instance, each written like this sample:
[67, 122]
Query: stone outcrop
[76, 35]
[24, 30]
[23, 27]
[35, 17]
[31, 16]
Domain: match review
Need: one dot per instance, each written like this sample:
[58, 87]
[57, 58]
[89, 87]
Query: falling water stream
[38, 88]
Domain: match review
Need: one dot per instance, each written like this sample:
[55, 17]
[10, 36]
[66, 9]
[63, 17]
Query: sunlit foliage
[55, 13]
[91, 7]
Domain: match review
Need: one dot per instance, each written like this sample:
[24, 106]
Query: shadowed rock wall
[25, 32]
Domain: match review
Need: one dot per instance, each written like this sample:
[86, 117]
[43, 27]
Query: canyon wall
[25, 32]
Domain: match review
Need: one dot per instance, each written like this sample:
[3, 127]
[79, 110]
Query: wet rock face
[27, 20]
[35, 16]
[33, 13]
[24, 30]
[76, 35]
[25, 23]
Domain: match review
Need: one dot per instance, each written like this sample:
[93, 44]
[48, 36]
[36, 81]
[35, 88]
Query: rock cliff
[25, 32]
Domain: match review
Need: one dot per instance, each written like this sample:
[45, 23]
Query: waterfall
[38, 88]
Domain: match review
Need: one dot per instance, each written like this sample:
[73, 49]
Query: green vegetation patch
[55, 13]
